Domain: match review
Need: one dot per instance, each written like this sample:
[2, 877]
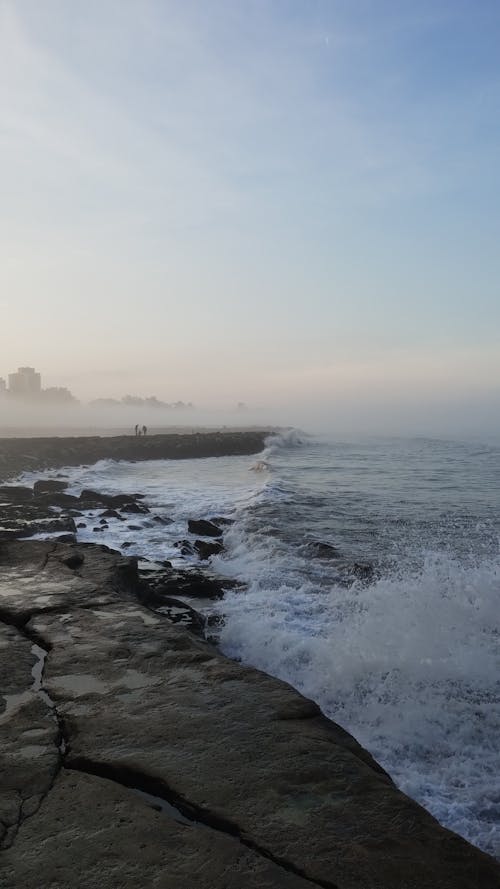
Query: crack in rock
[40, 652]
[155, 790]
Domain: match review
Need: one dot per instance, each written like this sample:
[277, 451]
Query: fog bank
[477, 416]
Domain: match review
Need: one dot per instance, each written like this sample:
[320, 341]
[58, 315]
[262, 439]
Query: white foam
[408, 665]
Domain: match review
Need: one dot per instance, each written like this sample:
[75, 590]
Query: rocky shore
[20, 454]
[133, 753]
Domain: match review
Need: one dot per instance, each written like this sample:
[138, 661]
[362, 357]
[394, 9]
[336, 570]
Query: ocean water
[402, 650]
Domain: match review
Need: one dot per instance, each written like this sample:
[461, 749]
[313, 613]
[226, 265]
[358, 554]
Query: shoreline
[131, 748]
[114, 695]
[19, 455]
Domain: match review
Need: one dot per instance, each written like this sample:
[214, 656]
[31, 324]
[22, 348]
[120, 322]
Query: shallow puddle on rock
[13, 703]
[86, 683]
[161, 805]
[34, 751]
[133, 679]
[37, 673]
[82, 684]
[148, 619]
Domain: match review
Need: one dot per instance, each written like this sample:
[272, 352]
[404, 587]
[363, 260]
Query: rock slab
[273, 793]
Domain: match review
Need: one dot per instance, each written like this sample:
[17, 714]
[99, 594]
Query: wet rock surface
[93, 833]
[274, 793]
[205, 549]
[203, 528]
[164, 581]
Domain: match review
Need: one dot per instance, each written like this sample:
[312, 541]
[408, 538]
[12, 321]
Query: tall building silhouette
[26, 382]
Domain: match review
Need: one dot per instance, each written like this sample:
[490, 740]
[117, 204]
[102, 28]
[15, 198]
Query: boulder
[15, 493]
[66, 538]
[193, 584]
[185, 547]
[206, 548]
[162, 520]
[134, 507]
[49, 486]
[363, 571]
[111, 514]
[323, 550]
[203, 528]
[64, 523]
[56, 498]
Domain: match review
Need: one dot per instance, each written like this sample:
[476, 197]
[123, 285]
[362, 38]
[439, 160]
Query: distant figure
[137, 428]
[144, 430]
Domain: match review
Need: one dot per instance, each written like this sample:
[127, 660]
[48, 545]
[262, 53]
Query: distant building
[58, 395]
[3, 385]
[26, 383]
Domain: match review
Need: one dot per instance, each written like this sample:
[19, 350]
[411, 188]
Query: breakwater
[20, 454]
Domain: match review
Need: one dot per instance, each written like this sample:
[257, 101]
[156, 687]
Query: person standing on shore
[144, 430]
[137, 428]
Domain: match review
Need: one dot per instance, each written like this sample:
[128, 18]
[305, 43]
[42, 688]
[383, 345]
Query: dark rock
[74, 561]
[48, 486]
[44, 526]
[126, 502]
[134, 527]
[185, 546]
[221, 520]
[96, 530]
[81, 525]
[323, 550]
[65, 523]
[12, 534]
[137, 508]
[111, 514]
[127, 544]
[206, 549]
[162, 520]
[56, 498]
[361, 571]
[203, 528]
[193, 584]
[104, 523]
[15, 493]
[123, 500]
[179, 613]
[92, 496]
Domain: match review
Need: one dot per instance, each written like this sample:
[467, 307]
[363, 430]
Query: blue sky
[262, 201]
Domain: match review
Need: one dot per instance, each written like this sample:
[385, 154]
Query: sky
[291, 204]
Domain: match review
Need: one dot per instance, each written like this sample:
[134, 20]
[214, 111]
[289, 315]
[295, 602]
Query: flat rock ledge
[134, 754]
[20, 454]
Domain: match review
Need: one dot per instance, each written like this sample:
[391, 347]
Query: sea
[369, 580]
